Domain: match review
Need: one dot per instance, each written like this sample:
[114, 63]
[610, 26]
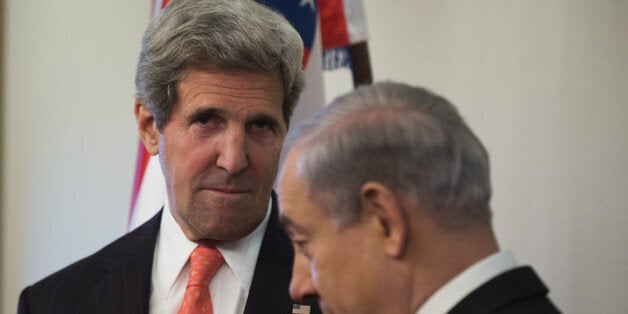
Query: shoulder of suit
[110, 256]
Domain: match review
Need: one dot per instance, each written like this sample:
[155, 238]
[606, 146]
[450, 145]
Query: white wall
[69, 134]
[543, 84]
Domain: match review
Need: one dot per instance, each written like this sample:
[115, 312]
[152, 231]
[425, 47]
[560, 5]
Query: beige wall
[69, 136]
[545, 86]
[543, 83]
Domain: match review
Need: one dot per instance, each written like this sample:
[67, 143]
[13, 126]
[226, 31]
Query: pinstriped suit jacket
[116, 279]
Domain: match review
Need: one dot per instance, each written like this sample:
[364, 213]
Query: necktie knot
[204, 263]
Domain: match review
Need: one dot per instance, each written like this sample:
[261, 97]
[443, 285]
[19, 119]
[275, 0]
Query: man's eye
[260, 125]
[203, 119]
[301, 247]
[299, 244]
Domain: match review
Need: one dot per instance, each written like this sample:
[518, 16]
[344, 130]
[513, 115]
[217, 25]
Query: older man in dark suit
[385, 195]
[217, 81]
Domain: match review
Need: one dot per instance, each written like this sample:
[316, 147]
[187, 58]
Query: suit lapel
[269, 292]
[123, 284]
[127, 263]
[269, 288]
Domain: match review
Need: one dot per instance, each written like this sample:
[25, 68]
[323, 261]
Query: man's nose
[233, 155]
[301, 286]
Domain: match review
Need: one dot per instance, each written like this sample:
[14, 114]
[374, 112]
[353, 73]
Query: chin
[228, 232]
[209, 224]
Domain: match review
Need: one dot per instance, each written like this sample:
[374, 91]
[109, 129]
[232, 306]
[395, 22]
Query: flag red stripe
[306, 56]
[142, 155]
[140, 168]
[162, 4]
[333, 24]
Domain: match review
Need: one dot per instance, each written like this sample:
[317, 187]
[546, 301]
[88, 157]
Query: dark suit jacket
[116, 279]
[516, 291]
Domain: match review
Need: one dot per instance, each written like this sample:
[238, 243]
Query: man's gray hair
[407, 138]
[216, 35]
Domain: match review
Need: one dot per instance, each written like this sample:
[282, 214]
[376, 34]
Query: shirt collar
[173, 250]
[241, 255]
[450, 294]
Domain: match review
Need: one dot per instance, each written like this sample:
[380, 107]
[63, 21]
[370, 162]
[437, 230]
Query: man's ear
[149, 134]
[382, 204]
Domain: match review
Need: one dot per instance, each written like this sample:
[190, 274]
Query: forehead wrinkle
[245, 89]
[232, 94]
[227, 110]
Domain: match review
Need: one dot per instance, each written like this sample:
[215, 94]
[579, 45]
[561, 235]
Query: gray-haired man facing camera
[217, 82]
[385, 195]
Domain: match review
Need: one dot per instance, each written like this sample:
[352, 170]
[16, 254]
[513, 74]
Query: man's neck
[442, 255]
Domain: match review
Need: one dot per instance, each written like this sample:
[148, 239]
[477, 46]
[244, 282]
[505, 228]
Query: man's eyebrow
[285, 222]
[291, 227]
[265, 117]
[207, 111]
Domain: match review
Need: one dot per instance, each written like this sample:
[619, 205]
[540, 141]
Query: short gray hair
[404, 137]
[227, 35]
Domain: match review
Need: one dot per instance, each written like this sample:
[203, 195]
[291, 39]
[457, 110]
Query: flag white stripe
[356, 20]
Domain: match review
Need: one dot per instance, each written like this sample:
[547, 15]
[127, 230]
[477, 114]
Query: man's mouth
[228, 191]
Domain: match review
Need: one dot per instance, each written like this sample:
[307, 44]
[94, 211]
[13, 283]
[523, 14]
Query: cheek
[264, 157]
[343, 267]
[330, 267]
[182, 160]
[334, 282]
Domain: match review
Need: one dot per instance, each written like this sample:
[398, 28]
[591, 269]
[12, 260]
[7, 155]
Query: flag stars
[308, 2]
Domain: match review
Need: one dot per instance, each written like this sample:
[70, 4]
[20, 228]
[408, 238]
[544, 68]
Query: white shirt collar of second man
[450, 294]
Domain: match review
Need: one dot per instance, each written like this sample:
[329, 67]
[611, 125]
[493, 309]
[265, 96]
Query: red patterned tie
[204, 263]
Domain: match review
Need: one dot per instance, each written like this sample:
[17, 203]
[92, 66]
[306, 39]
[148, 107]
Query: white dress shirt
[229, 288]
[450, 294]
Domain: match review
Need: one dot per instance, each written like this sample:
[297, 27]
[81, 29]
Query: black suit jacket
[516, 291]
[116, 279]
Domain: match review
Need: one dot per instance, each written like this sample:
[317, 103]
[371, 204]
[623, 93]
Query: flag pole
[360, 64]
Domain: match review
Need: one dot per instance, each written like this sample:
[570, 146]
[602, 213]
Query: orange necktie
[204, 263]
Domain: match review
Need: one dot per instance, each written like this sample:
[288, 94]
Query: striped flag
[149, 186]
[343, 24]
[324, 25]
